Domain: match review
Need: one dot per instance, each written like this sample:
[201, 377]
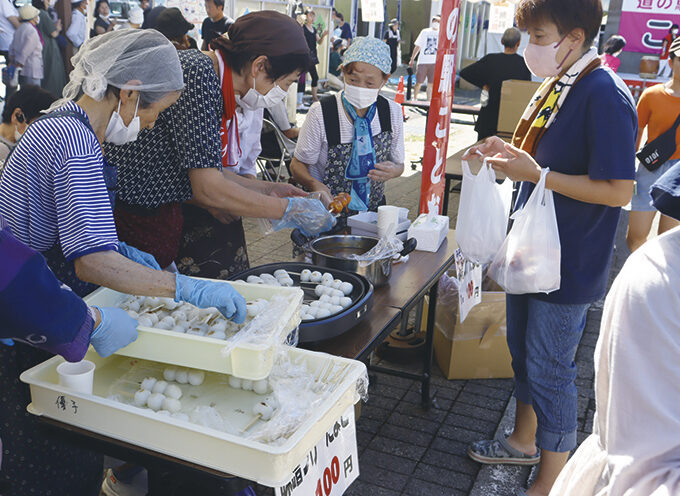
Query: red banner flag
[439, 116]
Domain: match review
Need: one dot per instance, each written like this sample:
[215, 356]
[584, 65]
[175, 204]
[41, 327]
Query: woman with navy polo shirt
[581, 125]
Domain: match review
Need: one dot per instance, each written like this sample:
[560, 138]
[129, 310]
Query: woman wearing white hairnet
[56, 195]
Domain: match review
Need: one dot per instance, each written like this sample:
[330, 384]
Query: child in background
[612, 49]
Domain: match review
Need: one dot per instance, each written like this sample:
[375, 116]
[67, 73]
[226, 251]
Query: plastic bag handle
[491, 173]
[540, 187]
[466, 169]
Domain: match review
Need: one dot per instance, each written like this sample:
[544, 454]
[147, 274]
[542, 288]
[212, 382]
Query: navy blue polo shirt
[594, 133]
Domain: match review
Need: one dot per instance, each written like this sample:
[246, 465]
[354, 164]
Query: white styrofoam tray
[252, 361]
[269, 465]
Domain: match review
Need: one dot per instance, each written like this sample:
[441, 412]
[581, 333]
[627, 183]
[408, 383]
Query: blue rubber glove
[206, 294]
[7, 342]
[115, 331]
[307, 214]
[139, 256]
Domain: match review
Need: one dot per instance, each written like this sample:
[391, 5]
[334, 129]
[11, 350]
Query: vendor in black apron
[55, 195]
[353, 142]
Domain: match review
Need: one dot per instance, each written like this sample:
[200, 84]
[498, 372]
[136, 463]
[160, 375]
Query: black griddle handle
[409, 246]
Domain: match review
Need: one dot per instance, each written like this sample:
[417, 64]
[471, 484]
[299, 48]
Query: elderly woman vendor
[353, 142]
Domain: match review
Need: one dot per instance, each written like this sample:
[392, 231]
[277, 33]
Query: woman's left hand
[285, 190]
[384, 171]
[520, 166]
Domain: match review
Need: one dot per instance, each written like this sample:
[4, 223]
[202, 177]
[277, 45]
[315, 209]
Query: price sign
[331, 466]
[372, 11]
[469, 284]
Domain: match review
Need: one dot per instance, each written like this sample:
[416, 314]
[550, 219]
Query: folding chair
[277, 152]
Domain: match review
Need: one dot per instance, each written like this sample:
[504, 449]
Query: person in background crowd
[22, 108]
[9, 21]
[77, 31]
[279, 116]
[313, 38]
[569, 126]
[658, 108]
[363, 145]
[393, 38]
[216, 24]
[102, 22]
[489, 72]
[664, 68]
[54, 78]
[345, 28]
[192, 150]
[26, 48]
[612, 49]
[55, 196]
[38, 311]
[633, 450]
[136, 18]
[334, 69]
[426, 46]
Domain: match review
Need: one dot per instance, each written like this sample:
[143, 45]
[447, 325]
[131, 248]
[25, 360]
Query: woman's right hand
[491, 147]
[325, 194]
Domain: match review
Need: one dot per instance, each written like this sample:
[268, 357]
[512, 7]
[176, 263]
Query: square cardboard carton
[515, 96]
[476, 348]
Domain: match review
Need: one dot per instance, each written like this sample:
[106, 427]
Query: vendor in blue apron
[55, 196]
[353, 142]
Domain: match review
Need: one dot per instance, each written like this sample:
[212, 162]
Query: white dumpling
[335, 300]
[141, 397]
[280, 273]
[315, 276]
[234, 382]
[325, 298]
[220, 326]
[314, 304]
[254, 280]
[287, 282]
[307, 316]
[173, 391]
[149, 383]
[144, 320]
[246, 385]
[327, 276]
[133, 314]
[218, 335]
[169, 373]
[179, 315]
[323, 313]
[261, 387]
[318, 290]
[345, 302]
[155, 401]
[159, 387]
[346, 288]
[196, 377]
[152, 302]
[304, 308]
[172, 405]
[336, 292]
[313, 311]
[337, 284]
[134, 306]
[336, 309]
[306, 275]
[154, 318]
[182, 376]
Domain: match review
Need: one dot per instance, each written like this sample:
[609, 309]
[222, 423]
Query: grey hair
[511, 37]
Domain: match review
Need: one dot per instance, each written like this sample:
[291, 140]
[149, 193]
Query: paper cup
[388, 219]
[78, 376]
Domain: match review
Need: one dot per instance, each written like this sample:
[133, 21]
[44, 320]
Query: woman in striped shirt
[55, 197]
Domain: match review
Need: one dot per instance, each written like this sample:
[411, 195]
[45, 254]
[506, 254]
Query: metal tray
[311, 331]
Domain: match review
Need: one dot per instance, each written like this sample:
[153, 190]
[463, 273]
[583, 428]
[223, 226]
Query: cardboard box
[477, 348]
[515, 96]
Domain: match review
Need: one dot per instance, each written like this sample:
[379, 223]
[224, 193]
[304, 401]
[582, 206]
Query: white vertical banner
[372, 11]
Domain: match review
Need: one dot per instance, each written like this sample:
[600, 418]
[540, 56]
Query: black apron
[339, 154]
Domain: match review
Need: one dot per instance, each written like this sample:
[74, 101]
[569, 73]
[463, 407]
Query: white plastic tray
[267, 464]
[247, 360]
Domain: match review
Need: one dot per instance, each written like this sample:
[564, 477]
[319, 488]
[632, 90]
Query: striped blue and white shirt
[52, 189]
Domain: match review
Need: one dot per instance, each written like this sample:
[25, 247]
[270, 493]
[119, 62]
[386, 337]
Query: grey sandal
[499, 451]
[520, 492]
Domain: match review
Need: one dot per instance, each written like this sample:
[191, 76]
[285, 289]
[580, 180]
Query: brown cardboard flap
[515, 96]
[490, 333]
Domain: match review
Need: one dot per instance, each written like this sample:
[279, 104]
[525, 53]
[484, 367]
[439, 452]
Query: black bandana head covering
[266, 32]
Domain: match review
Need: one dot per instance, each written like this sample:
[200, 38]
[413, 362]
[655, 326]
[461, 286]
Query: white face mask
[254, 100]
[435, 26]
[361, 97]
[117, 133]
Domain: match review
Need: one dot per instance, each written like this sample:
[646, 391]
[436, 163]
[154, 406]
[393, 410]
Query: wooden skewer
[155, 309]
[252, 423]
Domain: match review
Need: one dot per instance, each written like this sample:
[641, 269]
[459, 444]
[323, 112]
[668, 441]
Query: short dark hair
[339, 16]
[32, 100]
[614, 44]
[38, 4]
[569, 15]
[218, 3]
[99, 2]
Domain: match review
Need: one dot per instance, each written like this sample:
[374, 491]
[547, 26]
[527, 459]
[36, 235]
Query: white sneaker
[113, 487]
[302, 106]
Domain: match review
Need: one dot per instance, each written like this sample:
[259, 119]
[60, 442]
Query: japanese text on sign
[645, 23]
[331, 466]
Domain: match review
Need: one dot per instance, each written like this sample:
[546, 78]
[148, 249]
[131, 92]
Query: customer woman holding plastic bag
[582, 125]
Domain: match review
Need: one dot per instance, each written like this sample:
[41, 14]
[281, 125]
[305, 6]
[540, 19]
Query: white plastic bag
[482, 214]
[529, 260]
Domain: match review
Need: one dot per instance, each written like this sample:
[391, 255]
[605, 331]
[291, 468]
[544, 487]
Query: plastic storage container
[267, 464]
[246, 360]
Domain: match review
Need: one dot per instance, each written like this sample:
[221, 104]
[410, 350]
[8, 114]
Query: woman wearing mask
[54, 78]
[578, 112]
[354, 141]
[102, 22]
[192, 152]
[55, 196]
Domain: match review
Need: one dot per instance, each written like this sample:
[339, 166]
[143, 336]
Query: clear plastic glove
[7, 342]
[139, 256]
[206, 294]
[307, 214]
[116, 330]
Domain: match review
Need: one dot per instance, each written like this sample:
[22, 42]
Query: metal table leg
[429, 345]
[445, 201]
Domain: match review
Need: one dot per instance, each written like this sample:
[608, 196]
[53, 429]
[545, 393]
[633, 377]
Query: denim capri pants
[543, 338]
[642, 200]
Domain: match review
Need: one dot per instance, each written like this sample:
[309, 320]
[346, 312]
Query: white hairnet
[141, 60]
